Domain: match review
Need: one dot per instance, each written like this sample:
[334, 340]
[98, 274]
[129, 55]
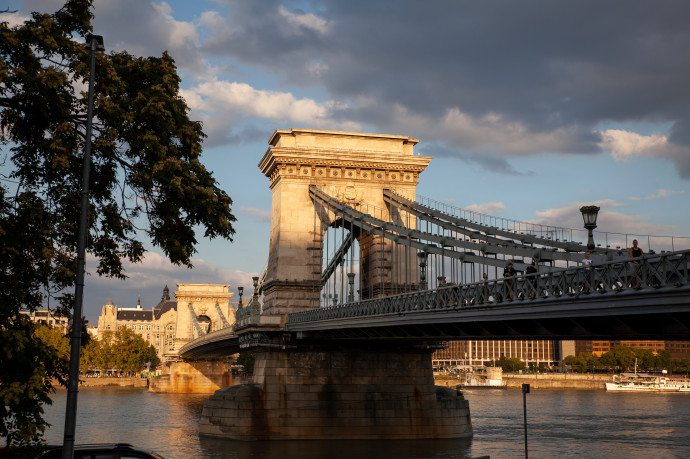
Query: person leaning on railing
[635, 252]
[531, 272]
[587, 265]
[509, 273]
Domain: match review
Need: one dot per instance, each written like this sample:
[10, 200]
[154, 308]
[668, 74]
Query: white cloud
[317, 68]
[487, 208]
[305, 21]
[260, 216]
[14, 19]
[623, 145]
[218, 102]
[147, 279]
[660, 193]
[490, 133]
[180, 33]
[613, 228]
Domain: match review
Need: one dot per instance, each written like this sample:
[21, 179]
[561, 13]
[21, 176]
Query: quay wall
[557, 381]
[133, 381]
[544, 381]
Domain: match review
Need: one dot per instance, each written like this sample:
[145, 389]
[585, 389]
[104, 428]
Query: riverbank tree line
[618, 359]
[120, 351]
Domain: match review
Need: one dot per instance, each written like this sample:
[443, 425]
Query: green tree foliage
[246, 359]
[122, 350]
[508, 364]
[146, 179]
[37, 355]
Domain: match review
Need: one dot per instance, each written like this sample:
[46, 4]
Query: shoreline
[511, 381]
[542, 381]
[127, 382]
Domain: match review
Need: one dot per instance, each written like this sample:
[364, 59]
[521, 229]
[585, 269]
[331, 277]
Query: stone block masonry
[326, 393]
[194, 377]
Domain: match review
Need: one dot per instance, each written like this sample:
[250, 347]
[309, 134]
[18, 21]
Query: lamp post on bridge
[351, 281]
[422, 270]
[255, 280]
[589, 215]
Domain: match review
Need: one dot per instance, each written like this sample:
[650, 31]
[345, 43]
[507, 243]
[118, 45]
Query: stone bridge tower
[304, 389]
[201, 308]
[355, 168]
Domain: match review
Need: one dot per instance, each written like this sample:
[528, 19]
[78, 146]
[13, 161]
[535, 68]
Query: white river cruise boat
[642, 382]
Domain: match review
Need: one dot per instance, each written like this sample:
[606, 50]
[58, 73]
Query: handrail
[648, 272]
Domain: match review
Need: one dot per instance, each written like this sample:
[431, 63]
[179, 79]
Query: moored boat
[643, 382]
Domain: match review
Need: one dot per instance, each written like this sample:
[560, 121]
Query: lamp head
[589, 215]
[98, 46]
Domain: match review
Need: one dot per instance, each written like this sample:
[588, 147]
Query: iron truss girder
[473, 229]
[437, 244]
[412, 238]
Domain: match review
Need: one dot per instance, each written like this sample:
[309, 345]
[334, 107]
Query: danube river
[560, 423]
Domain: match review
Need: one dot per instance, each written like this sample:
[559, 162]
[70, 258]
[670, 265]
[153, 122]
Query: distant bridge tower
[356, 167]
[201, 308]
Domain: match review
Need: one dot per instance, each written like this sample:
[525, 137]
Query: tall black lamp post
[95, 44]
[240, 290]
[589, 215]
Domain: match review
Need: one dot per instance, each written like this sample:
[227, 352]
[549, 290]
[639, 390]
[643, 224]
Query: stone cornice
[277, 157]
[296, 131]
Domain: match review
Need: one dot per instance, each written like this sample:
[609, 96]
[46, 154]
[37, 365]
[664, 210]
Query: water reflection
[336, 449]
[560, 423]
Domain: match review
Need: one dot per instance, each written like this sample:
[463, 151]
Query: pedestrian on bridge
[531, 272]
[509, 272]
[635, 252]
[587, 265]
[483, 292]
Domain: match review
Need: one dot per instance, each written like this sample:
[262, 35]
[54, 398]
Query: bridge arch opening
[205, 323]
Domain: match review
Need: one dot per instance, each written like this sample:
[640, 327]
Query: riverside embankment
[133, 381]
[542, 381]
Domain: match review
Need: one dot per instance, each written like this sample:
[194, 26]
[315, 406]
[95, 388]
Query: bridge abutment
[194, 376]
[322, 392]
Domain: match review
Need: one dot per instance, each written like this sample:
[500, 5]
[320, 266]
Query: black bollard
[525, 391]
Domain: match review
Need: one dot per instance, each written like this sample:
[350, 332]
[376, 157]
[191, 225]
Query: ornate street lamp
[95, 44]
[240, 290]
[589, 215]
[255, 280]
[422, 270]
[351, 282]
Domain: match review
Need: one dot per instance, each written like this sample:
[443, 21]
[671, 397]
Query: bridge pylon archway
[355, 168]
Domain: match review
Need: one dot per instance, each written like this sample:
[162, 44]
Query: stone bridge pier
[325, 392]
[331, 390]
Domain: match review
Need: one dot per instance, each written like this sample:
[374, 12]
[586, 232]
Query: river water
[560, 423]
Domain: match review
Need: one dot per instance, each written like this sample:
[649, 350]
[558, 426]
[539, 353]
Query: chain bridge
[365, 279]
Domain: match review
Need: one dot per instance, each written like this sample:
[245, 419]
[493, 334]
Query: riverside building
[162, 326]
[477, 353]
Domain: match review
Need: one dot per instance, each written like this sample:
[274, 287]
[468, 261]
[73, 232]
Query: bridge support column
[333, 393]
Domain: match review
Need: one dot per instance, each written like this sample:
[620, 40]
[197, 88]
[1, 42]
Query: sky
[530, 109]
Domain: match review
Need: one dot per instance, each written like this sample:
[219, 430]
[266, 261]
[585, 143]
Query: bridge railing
[666, 270]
